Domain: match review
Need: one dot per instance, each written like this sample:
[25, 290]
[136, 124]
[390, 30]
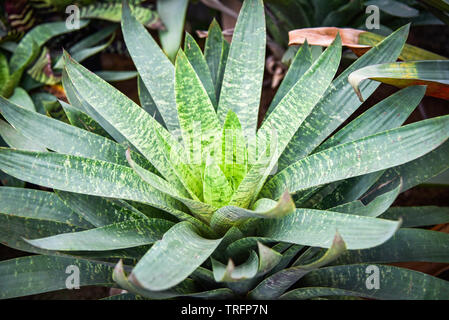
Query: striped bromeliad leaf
[359, 41]
[183, 193]
[433, 74]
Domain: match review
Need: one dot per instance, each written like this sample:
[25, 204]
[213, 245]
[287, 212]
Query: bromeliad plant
[193, 199]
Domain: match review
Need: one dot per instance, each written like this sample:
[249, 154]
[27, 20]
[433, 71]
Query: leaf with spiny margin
[410, 286]
[128, 118]
[317, 228]
[198, 120]
[98, 211]
[36, 274]
[216, 188]
[326, 117]
[375, 207]
[377, 152]
[147, 102]
[201, 210]
[61, 137]
[233, 150]
[406, 245]
[172, 259]
[155, 69]
[300, 100]
[414, 172]
[40, 205]
[81, 120]
[242, 80]
[227, 216]
[213, 49]
[301, 63]
[120, 235]
[17, 140]
[276, 284]
[418, 216]
[433, 74]
[199, 64]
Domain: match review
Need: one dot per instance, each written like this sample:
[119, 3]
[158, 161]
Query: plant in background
[224, 224]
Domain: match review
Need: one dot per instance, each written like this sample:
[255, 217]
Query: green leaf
[38, 204]
[113, 12]
[216, 188]
[377, 152]
[111, 76]
[184, 289]
[418, 216]
[82, 175]
[98, 211]
[276, 284]
[199, 64]
[212, 51]
[325, 117]
[395, 283]
[80, 103]
[314, 292]
[394, 8]
[374, 208]
[200, 209]
[301, 63]
[414, 172]
[17, 140]
[300, 100]
[61, 137]
[434, 74]
[174, 24]
[227, 216]
[194, 108]
[147, 102]
[38, 274]
[232, 273]
[81, 120]
[21, 98]
[390, 113]
[317, 228]
[406, 245]
[126, 117]
[37, 37]
[157, 72]
[4, 69]
[242, 81]
[234, 153]
[173, 258]
[115, 236]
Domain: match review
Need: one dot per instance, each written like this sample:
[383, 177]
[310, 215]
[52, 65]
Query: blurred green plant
[226, 225]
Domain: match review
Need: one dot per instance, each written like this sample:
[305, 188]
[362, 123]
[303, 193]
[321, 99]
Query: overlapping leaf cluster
[223, 226]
